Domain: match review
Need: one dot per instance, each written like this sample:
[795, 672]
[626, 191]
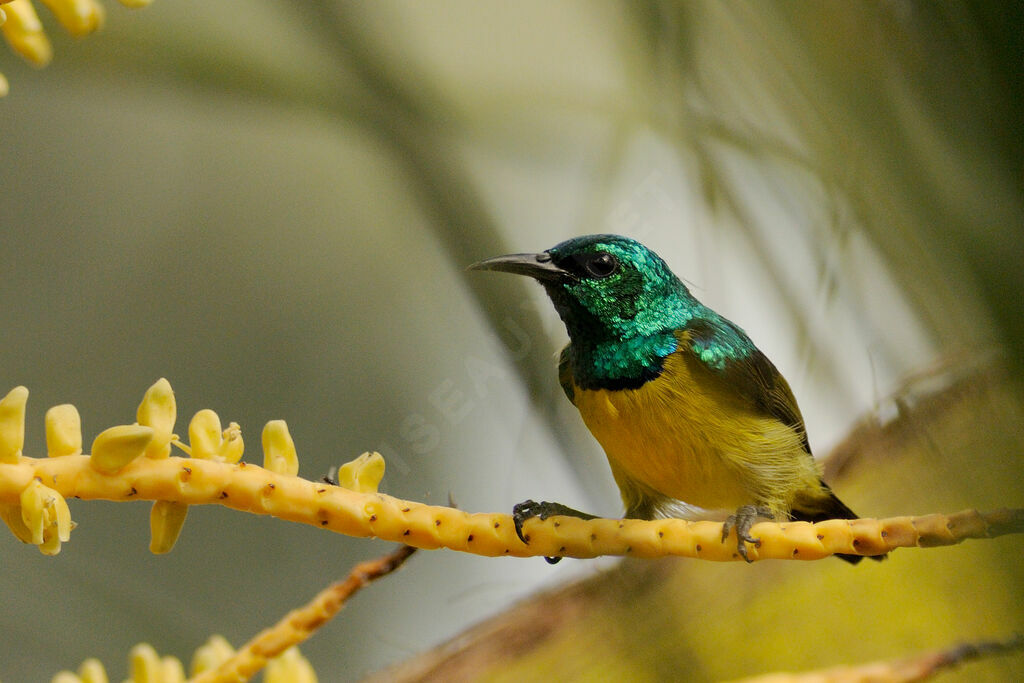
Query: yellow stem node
[363, 474]
[63, 431]
[12, 424]
[159, 411]
[279, 449]
[116, 447]
[166, 518]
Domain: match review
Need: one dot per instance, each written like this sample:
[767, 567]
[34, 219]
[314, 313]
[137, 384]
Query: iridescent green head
[606, 287]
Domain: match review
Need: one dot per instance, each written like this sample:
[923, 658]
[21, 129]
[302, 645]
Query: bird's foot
[529, 509]
[744, 518]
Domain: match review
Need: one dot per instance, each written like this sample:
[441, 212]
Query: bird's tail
[829, 507]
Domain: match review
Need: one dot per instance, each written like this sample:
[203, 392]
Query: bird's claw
[744, 518]
[524, 511]
[529, 509]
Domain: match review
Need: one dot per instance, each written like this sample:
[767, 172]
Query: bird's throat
[619, 364]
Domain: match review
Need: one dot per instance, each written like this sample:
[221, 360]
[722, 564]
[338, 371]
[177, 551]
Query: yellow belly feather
[683, 440]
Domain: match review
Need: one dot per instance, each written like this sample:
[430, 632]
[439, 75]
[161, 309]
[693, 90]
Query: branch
[131, 462]
[904, 670]
[251, 488]
[299, 624]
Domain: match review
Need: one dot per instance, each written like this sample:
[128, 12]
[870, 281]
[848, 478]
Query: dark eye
[601, 264]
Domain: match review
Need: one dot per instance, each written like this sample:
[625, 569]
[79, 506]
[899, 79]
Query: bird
[689, 412]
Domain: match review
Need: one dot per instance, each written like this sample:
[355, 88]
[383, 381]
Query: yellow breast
[678, 438]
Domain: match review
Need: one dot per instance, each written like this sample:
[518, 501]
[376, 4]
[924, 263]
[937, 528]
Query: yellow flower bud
[24, 33]
[204, 434]
[114, 448]
[165, 521]
[208, 442]
[63, 431]
[144, 664]
[46, 516]
[65, 677]
[289, 667]
[92, 671]
[136, 3]
[232, 447]
[171, 670]
[11, 514]
[12, 424]
[362, 474]
[278, 449]
[78, 17]
[159, 411]
[214, 652]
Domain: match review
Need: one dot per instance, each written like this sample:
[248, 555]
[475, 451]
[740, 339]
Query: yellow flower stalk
[12, 424]
[159, 411]
[208, 442]
[24, 33]
[116, 447]
[114, 471]
[278, 449]
[63, 431]
[363, 474]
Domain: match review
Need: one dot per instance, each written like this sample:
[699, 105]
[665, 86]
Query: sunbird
[687, 408]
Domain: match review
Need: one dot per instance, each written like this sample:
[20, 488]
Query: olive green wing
[729, 357]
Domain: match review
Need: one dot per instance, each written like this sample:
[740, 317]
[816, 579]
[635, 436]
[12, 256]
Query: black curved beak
[538, 266]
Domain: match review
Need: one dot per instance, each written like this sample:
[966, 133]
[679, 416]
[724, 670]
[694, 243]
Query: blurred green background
[272, 205]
